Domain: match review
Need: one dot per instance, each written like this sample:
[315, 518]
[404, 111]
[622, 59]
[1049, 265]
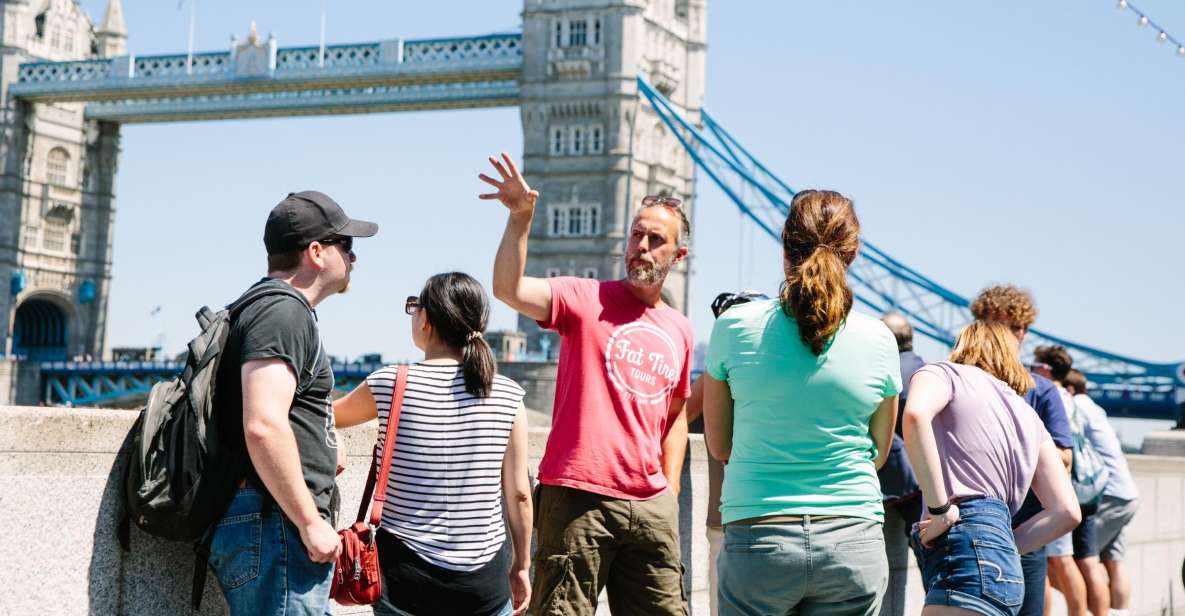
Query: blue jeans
[974, 565]
[1034, 566]
[816, 567]
[261, 564]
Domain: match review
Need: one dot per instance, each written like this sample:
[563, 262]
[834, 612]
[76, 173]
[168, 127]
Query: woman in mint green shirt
[800, 399]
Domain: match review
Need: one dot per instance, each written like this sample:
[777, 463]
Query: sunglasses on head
[412, 305]
[650, 200]
[347, 243]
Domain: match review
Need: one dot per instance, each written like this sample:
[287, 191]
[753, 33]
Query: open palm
[513, 190]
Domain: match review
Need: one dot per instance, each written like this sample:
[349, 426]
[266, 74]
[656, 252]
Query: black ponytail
[457, 308]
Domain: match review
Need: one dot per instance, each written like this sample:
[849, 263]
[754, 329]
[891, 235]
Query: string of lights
[1144, 21]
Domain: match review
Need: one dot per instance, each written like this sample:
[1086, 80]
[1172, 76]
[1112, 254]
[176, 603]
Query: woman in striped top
[460, 449]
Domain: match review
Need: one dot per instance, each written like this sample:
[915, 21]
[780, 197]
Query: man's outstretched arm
[529, 296]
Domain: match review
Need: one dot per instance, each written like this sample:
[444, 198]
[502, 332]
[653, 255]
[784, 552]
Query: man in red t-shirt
[608, 500]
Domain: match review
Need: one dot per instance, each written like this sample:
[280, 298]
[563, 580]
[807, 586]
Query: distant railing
[179, 65]
[446, 52]
[493, 46]
[75, 70]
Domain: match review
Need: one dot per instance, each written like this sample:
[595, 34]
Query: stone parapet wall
[59, 495]
[59, 498]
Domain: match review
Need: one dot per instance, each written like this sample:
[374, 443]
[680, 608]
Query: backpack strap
[233, 310]
[380, 470]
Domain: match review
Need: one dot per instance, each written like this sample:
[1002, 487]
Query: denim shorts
[974, 565]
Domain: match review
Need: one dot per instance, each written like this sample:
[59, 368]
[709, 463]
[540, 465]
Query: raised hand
[513, 190]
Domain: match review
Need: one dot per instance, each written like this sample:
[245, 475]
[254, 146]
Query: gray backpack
[1088, 472]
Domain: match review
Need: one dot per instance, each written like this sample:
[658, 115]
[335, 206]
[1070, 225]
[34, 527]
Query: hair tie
[473, 335]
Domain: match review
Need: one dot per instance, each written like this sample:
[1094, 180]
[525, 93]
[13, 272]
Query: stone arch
[42, 327]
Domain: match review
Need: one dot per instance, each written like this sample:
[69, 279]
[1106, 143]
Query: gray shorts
[1112, 519]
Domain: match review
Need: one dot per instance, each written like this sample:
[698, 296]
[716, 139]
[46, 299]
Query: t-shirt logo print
[642, 362]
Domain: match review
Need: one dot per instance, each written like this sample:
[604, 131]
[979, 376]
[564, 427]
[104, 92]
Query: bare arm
[881, 428]
[717, 418]
[516, 492]
[695, 404]
[674, 444]
[1060, 512]
[268, 388]
[529, 296]
[355, 408]
[928, 396]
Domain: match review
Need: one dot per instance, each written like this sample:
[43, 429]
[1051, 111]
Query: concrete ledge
[1167, 443]
[60, 481]
[59, 495]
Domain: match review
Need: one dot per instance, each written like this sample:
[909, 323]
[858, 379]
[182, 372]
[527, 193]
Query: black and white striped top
[444, 494]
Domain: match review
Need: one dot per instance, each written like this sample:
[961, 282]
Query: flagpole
[321, 54]
[192, 19]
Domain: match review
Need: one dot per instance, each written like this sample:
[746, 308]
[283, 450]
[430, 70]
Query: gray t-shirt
[988, 437]
[285, 327]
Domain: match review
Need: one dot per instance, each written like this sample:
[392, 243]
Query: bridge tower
[57, 172]
[591, 146]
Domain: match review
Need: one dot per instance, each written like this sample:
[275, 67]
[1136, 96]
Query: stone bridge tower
[57, 173]
[591, 143]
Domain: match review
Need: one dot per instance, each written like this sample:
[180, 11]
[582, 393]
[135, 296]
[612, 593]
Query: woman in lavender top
[976, 448]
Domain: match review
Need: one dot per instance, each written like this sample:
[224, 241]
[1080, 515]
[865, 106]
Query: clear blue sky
[1034, 143]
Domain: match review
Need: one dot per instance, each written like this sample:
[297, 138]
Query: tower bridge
[578, 71]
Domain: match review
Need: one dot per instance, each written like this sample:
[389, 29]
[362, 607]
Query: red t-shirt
[621, 364]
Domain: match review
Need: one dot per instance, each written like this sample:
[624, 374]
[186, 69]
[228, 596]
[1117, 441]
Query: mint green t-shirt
[800, 440]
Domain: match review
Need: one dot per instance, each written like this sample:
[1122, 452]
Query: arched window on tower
[57, 166]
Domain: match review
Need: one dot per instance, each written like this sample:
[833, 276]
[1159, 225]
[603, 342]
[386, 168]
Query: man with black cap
[274, 548]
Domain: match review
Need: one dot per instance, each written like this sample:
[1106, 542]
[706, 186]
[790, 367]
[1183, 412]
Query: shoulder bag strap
[380, 470]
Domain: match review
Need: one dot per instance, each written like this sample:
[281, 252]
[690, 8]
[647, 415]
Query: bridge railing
[356, 64]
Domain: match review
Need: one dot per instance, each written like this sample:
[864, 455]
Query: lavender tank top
[988, 437]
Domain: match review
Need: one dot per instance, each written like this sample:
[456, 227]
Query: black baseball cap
[306, 217]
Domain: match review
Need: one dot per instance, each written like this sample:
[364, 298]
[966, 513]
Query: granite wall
[59, 501]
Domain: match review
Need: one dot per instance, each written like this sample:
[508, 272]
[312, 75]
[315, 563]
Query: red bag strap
[382, 473]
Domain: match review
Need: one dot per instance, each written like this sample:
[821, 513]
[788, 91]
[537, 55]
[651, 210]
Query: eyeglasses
[346, 242]
[412, 305]
[664, 201]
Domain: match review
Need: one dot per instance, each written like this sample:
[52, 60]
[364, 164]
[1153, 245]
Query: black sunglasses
[346, 242]
[412, 305]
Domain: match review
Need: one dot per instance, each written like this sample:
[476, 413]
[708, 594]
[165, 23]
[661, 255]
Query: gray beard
[649, 275]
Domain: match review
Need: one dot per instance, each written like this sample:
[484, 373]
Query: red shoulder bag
[356, 578]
